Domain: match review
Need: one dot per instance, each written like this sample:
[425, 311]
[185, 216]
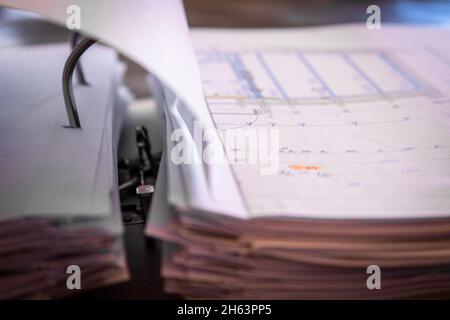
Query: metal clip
[67, 85]
[74, 37]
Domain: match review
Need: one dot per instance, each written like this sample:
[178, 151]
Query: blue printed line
[272, 76]
[242, 74]
[362, 73]
[396, 68]
[316, 74]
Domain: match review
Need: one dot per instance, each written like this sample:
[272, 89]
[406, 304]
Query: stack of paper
[338, 166]
[337, 149]
[58, 189]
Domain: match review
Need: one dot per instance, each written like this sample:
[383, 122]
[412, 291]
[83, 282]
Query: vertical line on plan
[271, 76]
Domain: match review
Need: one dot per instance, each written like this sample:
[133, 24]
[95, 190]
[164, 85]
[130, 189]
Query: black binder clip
[137, 177]
[140, 173]
[147, 164]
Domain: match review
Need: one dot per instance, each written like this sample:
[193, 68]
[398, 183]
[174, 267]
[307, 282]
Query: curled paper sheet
[153, 33]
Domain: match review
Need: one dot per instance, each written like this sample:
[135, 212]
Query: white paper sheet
[361, 117]
[47, 169]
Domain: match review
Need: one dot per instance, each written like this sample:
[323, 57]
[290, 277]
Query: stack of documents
[59, 205]
[336, 182]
